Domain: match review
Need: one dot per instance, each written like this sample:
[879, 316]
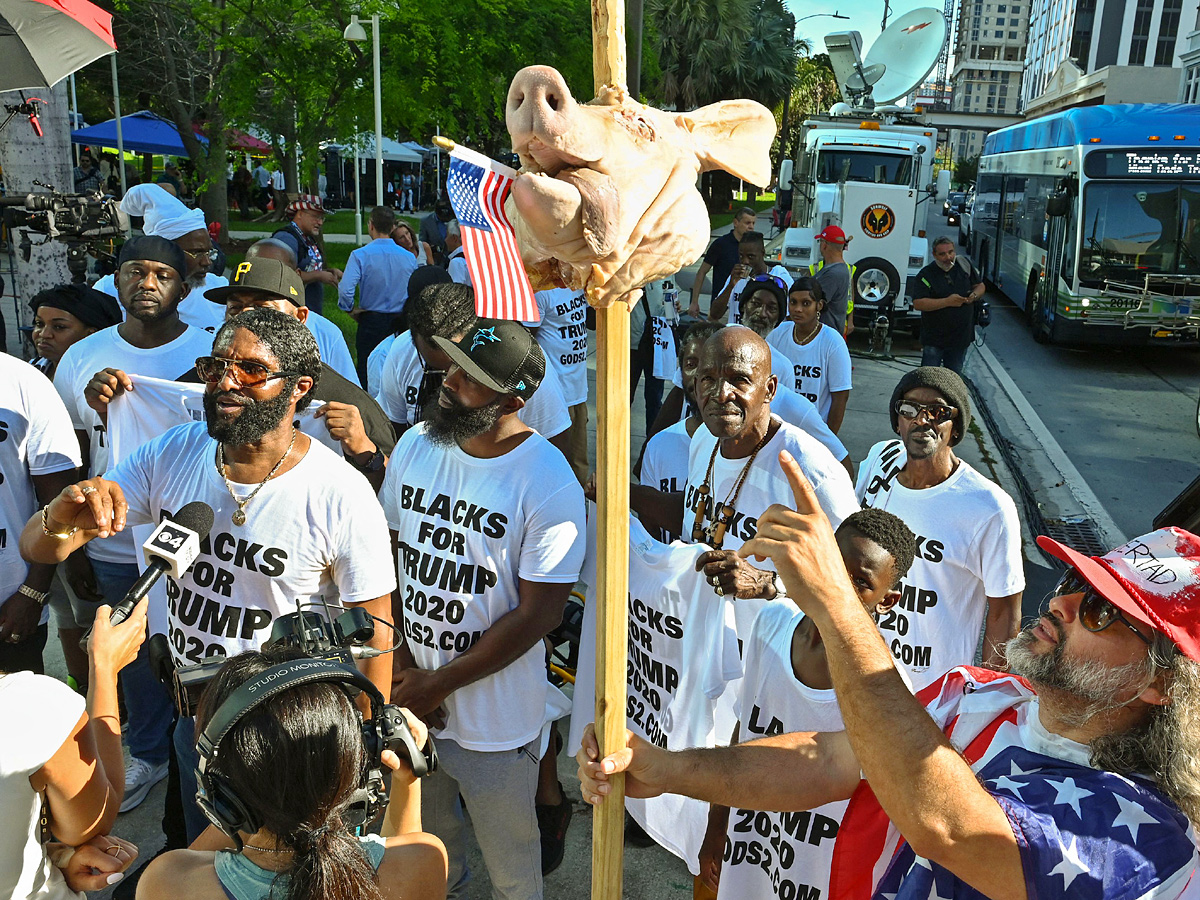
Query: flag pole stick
[612, 495]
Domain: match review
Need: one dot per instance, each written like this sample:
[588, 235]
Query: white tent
[393, 151]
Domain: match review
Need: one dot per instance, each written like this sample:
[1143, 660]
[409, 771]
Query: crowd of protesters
[829, 689]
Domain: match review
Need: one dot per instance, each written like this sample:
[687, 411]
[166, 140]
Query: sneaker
[553, 822]
[140, 776]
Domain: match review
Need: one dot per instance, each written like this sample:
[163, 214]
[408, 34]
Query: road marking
[1111, 535]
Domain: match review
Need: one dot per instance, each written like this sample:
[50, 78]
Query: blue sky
[865, 18]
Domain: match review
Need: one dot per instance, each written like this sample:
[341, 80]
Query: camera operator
[60, 758]
[295, 762]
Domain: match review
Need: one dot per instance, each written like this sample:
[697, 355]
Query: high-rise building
[1189, 60]
[989, 54]
[1106, 50]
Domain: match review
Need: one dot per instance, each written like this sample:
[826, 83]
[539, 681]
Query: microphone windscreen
[196, 516]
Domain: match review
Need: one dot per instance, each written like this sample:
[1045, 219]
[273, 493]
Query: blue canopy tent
[142, 132]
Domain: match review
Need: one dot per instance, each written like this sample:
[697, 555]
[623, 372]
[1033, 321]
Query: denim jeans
[499, 789]
[148, 704]
[185, 752]
[950, 357]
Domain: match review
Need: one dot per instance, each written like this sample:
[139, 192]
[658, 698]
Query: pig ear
[734, 135]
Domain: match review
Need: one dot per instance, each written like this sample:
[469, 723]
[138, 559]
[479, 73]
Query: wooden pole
[612, 494]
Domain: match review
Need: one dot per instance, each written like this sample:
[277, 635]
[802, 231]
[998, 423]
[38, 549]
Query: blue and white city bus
[1089, 220]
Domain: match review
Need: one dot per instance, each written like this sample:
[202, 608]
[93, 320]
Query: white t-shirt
[39, 714]
[469, 529]
[545, 412]
[107, 349]
[773, 854]
[683, 652]
[314, 532]
[194, 309]
[456, 265]
[735, 296]
[375, 364]
[665, 463]
[819, 367]
[332, 346]
[968, 549]
[36, 438]
[562, 334]
[765, 484]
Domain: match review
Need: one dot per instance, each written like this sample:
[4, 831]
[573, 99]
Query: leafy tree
[966, 170]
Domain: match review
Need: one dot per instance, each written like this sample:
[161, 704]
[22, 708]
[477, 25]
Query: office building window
[1012, 35]
[1141, 32]
[1168, 28]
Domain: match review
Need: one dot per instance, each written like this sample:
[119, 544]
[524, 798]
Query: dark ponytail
[296, 761]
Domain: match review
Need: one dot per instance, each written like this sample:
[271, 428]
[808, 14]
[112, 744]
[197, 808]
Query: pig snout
[539, 106]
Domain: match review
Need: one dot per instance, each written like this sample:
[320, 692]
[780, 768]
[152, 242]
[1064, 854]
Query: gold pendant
[239, 517]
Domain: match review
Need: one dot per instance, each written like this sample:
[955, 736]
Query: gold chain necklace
[239, 514]
[811, 334]
[715, 532]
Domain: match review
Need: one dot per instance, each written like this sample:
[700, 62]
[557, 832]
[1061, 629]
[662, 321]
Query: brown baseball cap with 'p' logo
[262, 274]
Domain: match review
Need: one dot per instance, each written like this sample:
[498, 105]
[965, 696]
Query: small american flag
[478, 187]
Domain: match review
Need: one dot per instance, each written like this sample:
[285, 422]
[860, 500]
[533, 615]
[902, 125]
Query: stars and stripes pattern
[478, 187]
[1083, 834]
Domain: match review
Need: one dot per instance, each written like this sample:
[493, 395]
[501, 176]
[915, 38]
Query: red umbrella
[44, 41]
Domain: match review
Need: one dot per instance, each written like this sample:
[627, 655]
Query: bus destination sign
[1142, 163]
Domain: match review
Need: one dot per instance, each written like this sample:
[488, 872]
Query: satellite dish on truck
[899, 60]
[909, 49]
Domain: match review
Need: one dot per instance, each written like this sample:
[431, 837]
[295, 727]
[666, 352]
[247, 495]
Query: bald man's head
[270, 248]
[735, 385]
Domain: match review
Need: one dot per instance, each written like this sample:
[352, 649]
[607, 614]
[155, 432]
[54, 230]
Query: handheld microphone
[172, 547]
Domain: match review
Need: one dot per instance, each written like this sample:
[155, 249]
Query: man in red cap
[833, 274]
[1077, 780]
[302, 235]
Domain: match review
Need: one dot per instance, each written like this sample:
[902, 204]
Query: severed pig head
[606, 200]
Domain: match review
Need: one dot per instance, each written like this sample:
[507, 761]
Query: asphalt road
[1126, 418]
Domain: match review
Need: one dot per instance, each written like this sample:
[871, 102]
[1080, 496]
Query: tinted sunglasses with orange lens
[212, 369]
[1095, 613]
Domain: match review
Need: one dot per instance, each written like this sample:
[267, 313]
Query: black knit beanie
[945, 382]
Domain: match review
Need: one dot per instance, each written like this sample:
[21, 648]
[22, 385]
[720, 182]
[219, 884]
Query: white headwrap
[166, 216]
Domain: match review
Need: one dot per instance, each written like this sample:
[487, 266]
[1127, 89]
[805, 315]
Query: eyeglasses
[212, 369]
[768, 278]
[938, 414]
[1095, 613]
[198, 255]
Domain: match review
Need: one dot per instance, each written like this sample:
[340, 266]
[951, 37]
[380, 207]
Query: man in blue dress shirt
[380, 270]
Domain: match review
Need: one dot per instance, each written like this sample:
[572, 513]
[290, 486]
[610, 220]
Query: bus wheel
[1198, 417]
[1032, 304]
[875, 281]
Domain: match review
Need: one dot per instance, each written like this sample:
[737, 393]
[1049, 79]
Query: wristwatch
[40, 596]
[372, 463]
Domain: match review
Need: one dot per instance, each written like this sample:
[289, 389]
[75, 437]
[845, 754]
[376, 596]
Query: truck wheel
[875, 281]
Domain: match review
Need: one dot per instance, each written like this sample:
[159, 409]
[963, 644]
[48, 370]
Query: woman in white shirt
[403, 235]
[65, 761]
[819, 355]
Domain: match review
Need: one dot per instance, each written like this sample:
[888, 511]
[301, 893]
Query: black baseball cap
[262, 274]
[500, 354]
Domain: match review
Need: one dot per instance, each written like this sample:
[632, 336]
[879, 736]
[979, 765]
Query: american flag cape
[1083, 834]
[478, 187]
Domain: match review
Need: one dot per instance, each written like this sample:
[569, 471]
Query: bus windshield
[1131, 228]
[834, 165]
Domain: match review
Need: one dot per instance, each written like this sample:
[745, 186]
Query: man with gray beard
[1081, 781]
[488, 524]
[294, 524]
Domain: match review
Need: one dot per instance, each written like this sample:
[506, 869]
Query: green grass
[720, 220]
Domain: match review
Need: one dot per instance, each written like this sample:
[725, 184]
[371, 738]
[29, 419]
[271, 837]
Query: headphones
[387, 729]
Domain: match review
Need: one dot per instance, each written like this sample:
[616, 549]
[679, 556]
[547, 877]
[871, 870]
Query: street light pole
[355, 32]
[378, 116]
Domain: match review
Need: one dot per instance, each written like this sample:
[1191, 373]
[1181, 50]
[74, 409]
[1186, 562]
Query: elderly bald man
[733, 469]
